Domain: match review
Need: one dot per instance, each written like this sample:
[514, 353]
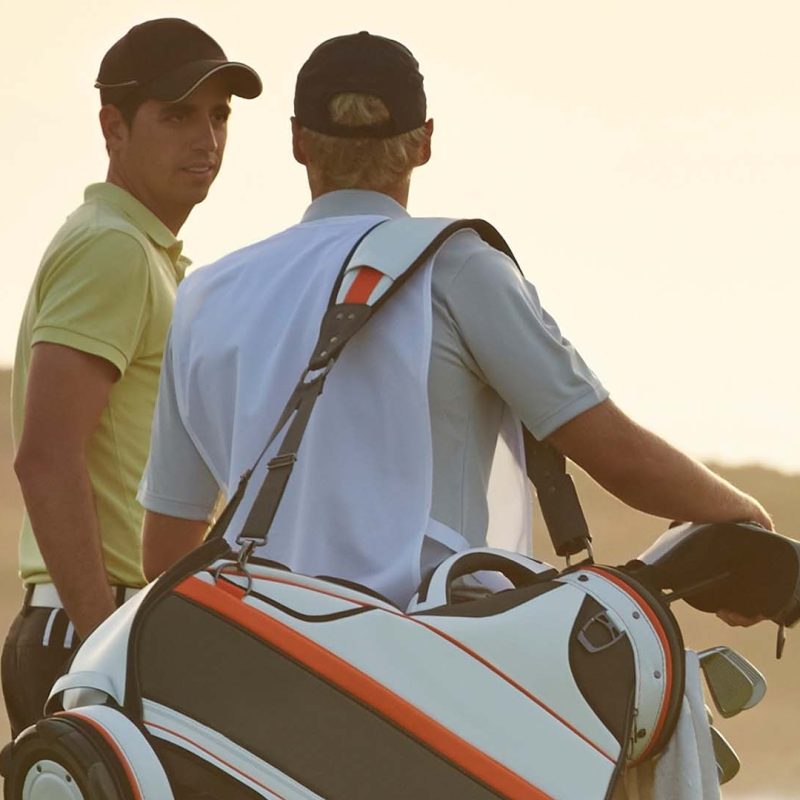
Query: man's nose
[206, 138]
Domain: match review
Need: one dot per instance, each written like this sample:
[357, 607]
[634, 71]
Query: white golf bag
[262, 683]
[231, 677]
[270, 684]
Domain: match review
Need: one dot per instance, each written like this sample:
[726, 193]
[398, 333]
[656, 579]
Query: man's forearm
[165, 540]
[669, 484]
[649, 474]
[60, 502]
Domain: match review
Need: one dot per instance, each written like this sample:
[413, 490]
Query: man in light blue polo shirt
[359, 129]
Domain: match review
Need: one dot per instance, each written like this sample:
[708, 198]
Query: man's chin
[196, 195]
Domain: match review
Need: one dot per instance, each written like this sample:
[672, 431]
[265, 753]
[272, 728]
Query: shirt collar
[352, 202]
[141, 216]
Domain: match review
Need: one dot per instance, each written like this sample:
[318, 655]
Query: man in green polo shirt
[91, 343]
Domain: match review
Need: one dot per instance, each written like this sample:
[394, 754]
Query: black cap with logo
[360, 62]
[167, 59]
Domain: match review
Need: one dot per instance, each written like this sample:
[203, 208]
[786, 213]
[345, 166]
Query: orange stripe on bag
[365, 688]
[366, 280]
[233, 589]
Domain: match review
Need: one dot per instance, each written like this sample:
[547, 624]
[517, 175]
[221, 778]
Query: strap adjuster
[282, 461]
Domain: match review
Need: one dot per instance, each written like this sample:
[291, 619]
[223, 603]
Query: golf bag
[261, 683]
[234, 677]
[270, 684]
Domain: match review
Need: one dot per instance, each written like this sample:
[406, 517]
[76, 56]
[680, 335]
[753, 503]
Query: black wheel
[62, 758]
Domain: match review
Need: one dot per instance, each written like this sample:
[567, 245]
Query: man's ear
[425, 148]
[297, 143]
[115, 129]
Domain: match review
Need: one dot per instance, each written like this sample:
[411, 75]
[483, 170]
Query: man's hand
[739, 620]
[66, 394]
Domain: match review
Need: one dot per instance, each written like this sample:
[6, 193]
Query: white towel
[687, 769]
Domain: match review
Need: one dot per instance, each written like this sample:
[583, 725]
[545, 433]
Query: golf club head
[728, 763]
[734, 683]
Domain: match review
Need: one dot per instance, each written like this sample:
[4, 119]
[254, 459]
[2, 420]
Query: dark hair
[127, 102]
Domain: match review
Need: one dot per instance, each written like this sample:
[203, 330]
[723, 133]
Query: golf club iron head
[734, 683]
[728, 763]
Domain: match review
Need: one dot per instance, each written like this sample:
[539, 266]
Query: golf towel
[687, 769]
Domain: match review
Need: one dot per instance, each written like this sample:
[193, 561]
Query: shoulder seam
[475, 255]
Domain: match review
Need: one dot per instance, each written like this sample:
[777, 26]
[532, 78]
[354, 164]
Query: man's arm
[177, 490]
[66, 394]
[519, 350]
[167, 539]
[647, 473]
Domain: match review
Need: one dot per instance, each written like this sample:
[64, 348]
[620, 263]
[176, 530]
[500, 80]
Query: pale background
[642, 158]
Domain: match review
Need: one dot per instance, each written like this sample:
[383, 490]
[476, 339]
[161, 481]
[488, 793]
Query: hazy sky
[642, 158]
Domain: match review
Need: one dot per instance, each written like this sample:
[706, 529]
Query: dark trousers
[36, 652]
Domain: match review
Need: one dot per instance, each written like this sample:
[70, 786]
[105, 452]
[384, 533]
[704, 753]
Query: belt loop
[26, 603]
[120, 595]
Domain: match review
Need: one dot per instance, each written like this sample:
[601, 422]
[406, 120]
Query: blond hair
[364, 163]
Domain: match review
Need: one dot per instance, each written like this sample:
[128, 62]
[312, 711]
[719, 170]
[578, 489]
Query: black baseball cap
[166, 59]
[364, 63]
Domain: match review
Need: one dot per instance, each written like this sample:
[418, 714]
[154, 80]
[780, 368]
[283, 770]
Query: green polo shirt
[106, 286]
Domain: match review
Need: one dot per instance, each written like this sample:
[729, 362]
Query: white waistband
[45, 595]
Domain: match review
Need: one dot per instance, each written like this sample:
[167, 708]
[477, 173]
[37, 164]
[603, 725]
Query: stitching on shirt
[144, 313]
[591, 391]
[113, 347]
[450, 319]
[135, 519]
[148, 495]
[100, 229]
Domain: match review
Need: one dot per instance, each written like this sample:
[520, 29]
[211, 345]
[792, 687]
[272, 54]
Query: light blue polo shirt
[492, 343]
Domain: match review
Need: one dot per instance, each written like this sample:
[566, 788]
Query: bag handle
[436, 590]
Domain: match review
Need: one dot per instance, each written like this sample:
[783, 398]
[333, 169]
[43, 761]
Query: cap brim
[178, 84]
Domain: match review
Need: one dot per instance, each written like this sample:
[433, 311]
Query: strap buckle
[281, 461]
[587, 546]
[322, 372]
[239, 566]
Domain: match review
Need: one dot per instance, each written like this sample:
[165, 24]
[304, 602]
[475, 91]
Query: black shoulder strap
[342, 320]
[558, 497]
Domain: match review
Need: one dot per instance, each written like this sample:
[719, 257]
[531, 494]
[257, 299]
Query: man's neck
[172, 219]
[398, 192]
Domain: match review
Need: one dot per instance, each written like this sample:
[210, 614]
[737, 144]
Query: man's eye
[176, 116]
[221, 116]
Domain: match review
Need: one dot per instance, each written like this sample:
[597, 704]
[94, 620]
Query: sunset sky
[642, 158]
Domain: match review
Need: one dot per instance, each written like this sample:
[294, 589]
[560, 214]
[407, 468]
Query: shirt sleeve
[95, 298]
[516, 346]
[176, 480]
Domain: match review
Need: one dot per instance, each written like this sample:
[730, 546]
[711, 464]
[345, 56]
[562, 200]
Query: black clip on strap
[279, 468]
[558, 498]
[340, 323]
